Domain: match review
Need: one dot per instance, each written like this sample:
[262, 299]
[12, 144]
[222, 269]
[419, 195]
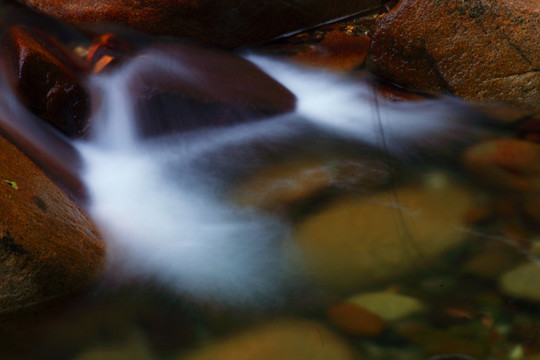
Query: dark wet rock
[481, 50]
[225, 23]
[44, 79]
[355, 319]
[287, 339]
[184, 87]
[48, 246]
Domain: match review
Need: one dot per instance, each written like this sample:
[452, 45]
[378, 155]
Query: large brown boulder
[226, 23]
[481, 50]
[48, 246]
[40, 72]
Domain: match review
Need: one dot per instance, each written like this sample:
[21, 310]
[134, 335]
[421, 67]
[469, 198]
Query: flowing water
[189, 262]
[160, 209]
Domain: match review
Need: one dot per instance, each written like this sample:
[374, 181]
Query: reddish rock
[337, 51]
[107, 50]
[182, 87]
[506, 164]
[44, 83]
[48, 246]
[481, 50]
[284, 339]
[225, 23]
[356, 320]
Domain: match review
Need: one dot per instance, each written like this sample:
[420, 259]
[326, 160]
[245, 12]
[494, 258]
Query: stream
[246, 236]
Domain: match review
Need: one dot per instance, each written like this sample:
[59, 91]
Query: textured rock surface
[44, 81]
[482, 50]
[227, 23]
[48, 247]
[218, 89]
[285, 339]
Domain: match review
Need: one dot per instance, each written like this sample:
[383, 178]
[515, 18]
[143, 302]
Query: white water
[162, 220]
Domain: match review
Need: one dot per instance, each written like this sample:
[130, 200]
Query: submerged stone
[508, 165]
[522, 282]
[355, 319]
[484, 50]
[337, 51]
[362, 240]
[48, 245]
[389, 306]
[225, 23]
[283, 339]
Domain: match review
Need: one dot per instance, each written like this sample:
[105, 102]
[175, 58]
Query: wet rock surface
[44, 79]
[482, 50]
[222, 23]
[48, 246]
[186, 87]
[338, 51]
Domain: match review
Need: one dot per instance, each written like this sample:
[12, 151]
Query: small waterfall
[164, 220]
[168, 228]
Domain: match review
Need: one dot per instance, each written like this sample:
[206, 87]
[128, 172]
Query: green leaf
[13, 184]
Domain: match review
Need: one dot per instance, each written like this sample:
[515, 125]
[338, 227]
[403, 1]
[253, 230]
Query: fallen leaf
[13, 184]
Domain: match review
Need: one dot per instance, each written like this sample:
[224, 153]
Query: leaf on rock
[13, 184]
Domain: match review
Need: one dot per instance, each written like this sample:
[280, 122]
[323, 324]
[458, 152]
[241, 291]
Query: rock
[388, 306]
[337, 51]
[394, 93]
[218, 88]
[284, 339]
[355, 319]
[492, 259]
[225, 23]
[481, 50]
[47, 85]
[134, 348]
[358, 241]
[510, 165]
[471, 340]
[522, 282]
[48, 246]
[284, 184]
